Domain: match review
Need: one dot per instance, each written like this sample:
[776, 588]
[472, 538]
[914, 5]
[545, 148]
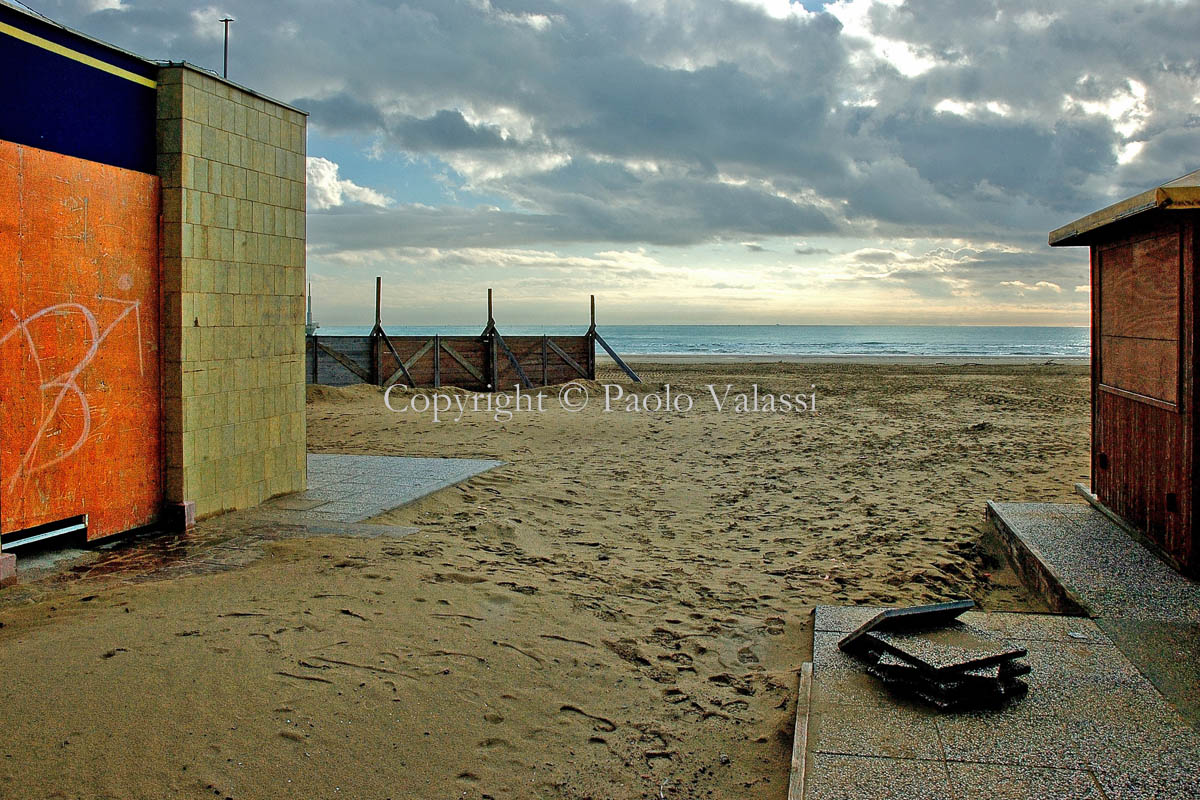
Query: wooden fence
[487, 362]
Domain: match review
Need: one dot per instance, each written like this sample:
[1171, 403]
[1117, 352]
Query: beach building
[152, 273]
[1144, 359]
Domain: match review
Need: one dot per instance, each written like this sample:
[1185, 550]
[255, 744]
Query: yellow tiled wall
[232, 169]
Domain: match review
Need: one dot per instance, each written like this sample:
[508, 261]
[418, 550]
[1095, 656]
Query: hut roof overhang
[1179, 194]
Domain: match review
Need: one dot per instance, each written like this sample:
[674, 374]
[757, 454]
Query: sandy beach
[618, 612]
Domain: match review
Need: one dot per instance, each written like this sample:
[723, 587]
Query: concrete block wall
[232, 165]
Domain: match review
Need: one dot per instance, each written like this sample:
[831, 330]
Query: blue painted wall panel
[57, 103]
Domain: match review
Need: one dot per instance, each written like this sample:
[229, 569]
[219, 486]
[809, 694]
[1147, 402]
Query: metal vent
[75, 528]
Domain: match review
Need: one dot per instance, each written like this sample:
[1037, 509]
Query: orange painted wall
[79, 332]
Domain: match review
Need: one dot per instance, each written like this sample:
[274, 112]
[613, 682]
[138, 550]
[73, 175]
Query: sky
[703, 161]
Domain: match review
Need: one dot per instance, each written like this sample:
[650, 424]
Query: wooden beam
[493, 362]
[437, 361]
[425, 348]
[544, 364]
[591, 337]
[378, 299]
[570, 361]
[800, 733]
[405, 366]
[462, 362]
[348, 363]
[632, 375]
[403, 370]
[513, 360]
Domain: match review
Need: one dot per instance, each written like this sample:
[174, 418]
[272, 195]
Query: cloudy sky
[725, 161]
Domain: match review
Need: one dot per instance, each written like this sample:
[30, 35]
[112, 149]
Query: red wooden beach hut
[1144, 357]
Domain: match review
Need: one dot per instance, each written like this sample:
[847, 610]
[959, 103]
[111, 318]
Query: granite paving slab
[1163, 651]
[1091, 725]
[1077, 554]
[861, 777]
[1099, 562]
[1005, 782]
[899, 619]
[952, 648]
[353, 488]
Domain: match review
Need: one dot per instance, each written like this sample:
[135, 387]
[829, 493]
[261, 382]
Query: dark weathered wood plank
[347, 362]
[1143, 366]
[572, 363]
[437, 361]
[417, 355]
[1145, 438]
[512, 359]
[468, 366]
[1141, 283]
[402, 370]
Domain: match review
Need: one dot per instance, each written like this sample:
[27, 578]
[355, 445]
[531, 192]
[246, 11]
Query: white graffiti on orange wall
[54, 389]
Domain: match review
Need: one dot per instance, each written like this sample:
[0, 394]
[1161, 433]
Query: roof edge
[208, 73]
[1180, 194]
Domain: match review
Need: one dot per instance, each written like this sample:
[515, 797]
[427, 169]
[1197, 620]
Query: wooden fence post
[376, 352]
[437, 361]
[543, 359]
[493, 361]
[591, 335]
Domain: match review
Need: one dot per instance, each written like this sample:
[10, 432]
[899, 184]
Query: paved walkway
[345, 490]
[1148, 609]
[1091, 725]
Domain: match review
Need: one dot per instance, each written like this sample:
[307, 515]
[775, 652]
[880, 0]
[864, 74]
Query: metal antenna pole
[225, 65]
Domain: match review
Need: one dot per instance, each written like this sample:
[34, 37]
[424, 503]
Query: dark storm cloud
[600, 203]
[681, 121]
[342, 113]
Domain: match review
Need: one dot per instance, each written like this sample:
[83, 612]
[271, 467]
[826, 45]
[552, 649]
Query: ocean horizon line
[863, 341]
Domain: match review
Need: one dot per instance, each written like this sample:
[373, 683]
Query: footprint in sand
[494, 743]
[600, 723]
[746, 655]
[454, 577]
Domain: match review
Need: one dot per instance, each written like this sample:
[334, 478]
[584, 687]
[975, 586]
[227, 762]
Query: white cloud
[1126, 107]
[327, 190]
[856, 18]
[1023, 287]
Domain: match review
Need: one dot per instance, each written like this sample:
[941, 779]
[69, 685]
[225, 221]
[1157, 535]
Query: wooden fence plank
[468, 366]
[512, 359]
[570, 361]
[437, 361]
[483, 363]
[402, 370]
[347, 362]
[417, 355]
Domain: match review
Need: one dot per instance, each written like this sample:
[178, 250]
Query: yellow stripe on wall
[45, 44]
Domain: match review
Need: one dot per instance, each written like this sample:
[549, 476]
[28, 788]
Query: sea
[795, 340]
